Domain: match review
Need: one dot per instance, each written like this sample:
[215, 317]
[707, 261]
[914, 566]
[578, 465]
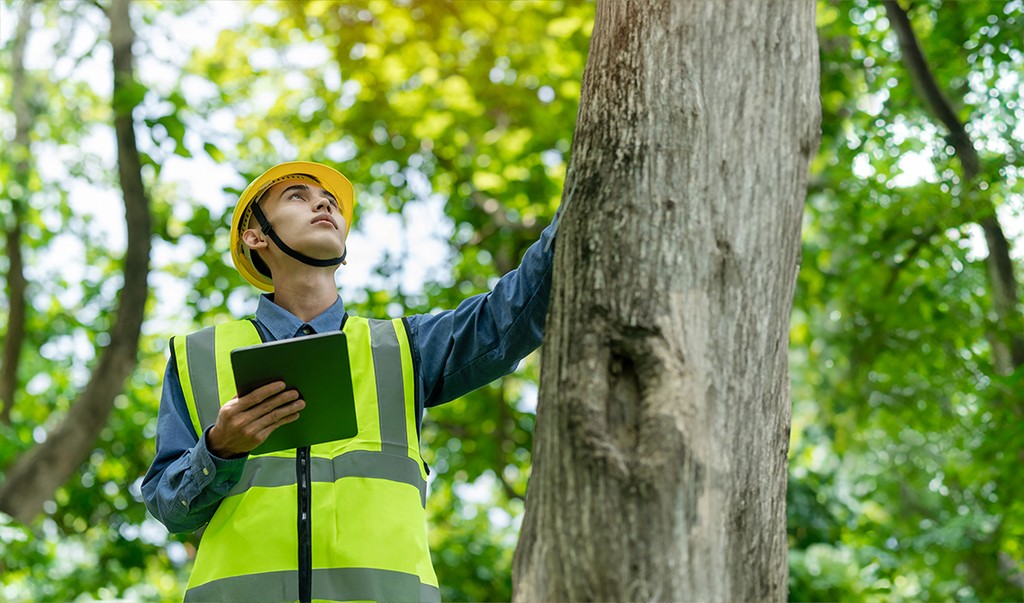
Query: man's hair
[257, 261]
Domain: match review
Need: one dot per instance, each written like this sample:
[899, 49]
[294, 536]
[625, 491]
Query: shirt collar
[282, 324]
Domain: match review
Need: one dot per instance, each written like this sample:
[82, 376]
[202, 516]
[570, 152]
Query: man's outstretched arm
[486, 336]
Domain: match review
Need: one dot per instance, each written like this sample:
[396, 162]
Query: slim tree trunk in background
[1007, 342]
[23, 118]
[39, 472]
[663, 422]
[1007, 345]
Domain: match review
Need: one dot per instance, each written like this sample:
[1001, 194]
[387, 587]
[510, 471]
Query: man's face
[306, 217]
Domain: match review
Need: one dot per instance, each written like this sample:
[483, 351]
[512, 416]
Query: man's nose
[322, 202]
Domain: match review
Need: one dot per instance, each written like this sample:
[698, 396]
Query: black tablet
[318, 367]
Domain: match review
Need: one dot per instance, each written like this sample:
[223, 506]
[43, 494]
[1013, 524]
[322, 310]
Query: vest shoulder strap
[204, 368]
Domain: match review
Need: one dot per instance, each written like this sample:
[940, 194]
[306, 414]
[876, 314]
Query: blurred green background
[455, 120]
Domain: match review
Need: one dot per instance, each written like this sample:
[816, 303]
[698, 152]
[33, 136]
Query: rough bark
[23, 118]
[39, 472]
[1008, 348]
[660, 457]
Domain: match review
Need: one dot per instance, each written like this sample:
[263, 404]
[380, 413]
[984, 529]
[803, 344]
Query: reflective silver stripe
[202, 372]
[265, 472]
[273, 471]
[387, 367]
[364, 584]
[269, 586]
[337, 584]
[429, 594]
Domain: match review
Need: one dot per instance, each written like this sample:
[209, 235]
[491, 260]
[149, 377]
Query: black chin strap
[268, 229]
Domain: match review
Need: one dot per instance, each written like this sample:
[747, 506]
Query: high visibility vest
[339, 521]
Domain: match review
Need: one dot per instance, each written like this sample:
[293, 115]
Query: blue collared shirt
[454, 352]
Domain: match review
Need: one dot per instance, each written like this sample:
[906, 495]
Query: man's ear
[254, 239]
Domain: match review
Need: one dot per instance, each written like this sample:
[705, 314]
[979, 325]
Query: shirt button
[306, 329]
[206, 471]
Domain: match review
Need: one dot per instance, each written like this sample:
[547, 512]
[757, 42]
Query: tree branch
[499, 451]
[1000, 265]
[39, 472]
[919, 242]
[1004, 289]
[510, 491]
[16, 316]
[921, 74]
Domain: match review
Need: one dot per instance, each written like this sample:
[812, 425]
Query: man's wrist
[214, 447]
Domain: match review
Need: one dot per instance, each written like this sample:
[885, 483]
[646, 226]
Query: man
[337, 521]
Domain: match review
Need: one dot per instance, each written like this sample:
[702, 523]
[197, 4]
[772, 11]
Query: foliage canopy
[454, 120]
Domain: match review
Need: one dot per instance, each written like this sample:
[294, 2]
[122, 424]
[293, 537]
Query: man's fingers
[271, 404]
[259, 395]
[279, 417]
[247, 421]
[277, 414]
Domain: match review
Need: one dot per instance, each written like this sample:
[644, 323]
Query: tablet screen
[318, 367]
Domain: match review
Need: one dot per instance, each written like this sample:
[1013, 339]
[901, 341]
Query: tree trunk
[660, 456]
[40, 471]
[16, 316]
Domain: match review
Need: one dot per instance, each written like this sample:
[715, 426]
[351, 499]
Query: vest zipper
[305, 531]
[305, 521]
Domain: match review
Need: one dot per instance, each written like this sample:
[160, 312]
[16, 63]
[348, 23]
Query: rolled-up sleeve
[485, 337]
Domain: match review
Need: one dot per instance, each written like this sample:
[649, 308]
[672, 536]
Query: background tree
[35, 476]
[504, 137]
[81, 333]
[904, 427]
[663, 426]
[20, 158]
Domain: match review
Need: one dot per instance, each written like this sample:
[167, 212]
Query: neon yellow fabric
[228, 336]
[373, 520]
[239, 541]
[342, 514]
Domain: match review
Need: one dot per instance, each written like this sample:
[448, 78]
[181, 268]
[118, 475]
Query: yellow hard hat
[330, 179]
